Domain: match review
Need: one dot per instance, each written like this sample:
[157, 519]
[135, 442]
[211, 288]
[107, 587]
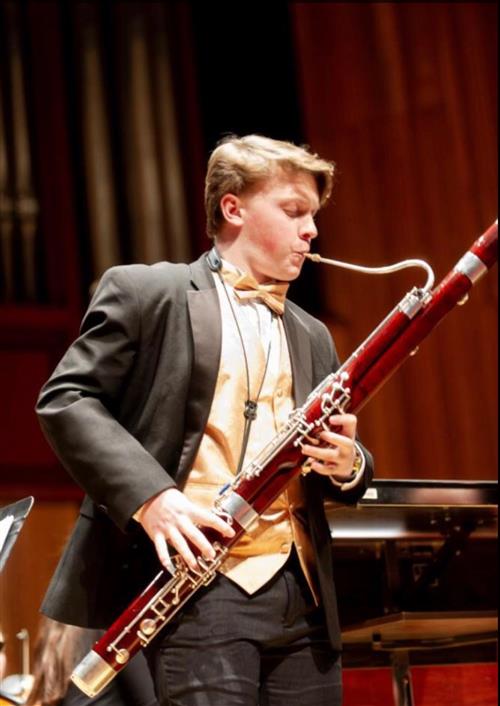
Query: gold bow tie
[246, 287]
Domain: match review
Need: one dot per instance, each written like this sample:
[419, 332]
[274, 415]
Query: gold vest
[266, 547]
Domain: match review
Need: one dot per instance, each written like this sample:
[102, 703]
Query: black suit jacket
[125, 412]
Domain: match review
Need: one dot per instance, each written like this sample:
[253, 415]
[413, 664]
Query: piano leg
[401, 679]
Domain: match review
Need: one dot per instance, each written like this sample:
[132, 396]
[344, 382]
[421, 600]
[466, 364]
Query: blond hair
[238, 163]
[58, 650]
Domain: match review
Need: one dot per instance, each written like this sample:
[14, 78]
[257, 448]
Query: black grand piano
[416, 574]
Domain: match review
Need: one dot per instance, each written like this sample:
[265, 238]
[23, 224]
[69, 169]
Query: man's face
[278, 225]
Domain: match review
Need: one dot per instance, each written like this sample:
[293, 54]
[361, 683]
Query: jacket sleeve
[76, 406]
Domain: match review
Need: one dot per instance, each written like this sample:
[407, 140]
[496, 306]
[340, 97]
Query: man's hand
[171, 517]
[337, 458]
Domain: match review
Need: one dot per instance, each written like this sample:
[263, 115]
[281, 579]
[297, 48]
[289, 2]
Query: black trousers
[230, 649]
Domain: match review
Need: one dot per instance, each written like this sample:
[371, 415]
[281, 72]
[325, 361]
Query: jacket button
[103, 508]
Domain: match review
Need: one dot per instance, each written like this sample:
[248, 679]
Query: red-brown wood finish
[454, 685]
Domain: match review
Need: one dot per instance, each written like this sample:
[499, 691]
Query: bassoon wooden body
[266, 477]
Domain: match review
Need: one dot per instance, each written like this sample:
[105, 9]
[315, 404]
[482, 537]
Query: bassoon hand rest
[266, 477]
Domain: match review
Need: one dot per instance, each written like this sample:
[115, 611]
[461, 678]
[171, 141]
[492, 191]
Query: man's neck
[229, 252]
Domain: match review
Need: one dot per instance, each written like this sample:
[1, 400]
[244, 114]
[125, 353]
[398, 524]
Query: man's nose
[309, 229]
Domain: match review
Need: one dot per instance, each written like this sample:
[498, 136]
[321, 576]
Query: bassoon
[255, 488]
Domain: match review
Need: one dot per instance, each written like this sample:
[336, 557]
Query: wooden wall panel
[457, 685]
[22, 373]
[403, 97]
[32, 340]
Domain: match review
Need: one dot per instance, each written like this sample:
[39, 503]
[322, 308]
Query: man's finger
[329, 454]
[209, 519]
[334, 439]
[177, 540]
[161, 547]
[347, 422]
[322, 469]
[196, 537]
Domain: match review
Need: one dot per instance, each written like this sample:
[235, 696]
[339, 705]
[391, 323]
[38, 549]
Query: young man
[181, 375]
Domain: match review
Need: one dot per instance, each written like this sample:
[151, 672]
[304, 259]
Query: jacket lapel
[299, 346]
[206, 329]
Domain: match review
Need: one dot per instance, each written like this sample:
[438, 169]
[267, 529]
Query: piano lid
[442, 493]
[417, 509]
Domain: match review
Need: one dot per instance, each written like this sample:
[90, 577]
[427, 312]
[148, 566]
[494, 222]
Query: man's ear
[230, 206]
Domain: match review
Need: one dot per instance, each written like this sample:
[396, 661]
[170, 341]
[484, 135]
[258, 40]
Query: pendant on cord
[250, 410]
